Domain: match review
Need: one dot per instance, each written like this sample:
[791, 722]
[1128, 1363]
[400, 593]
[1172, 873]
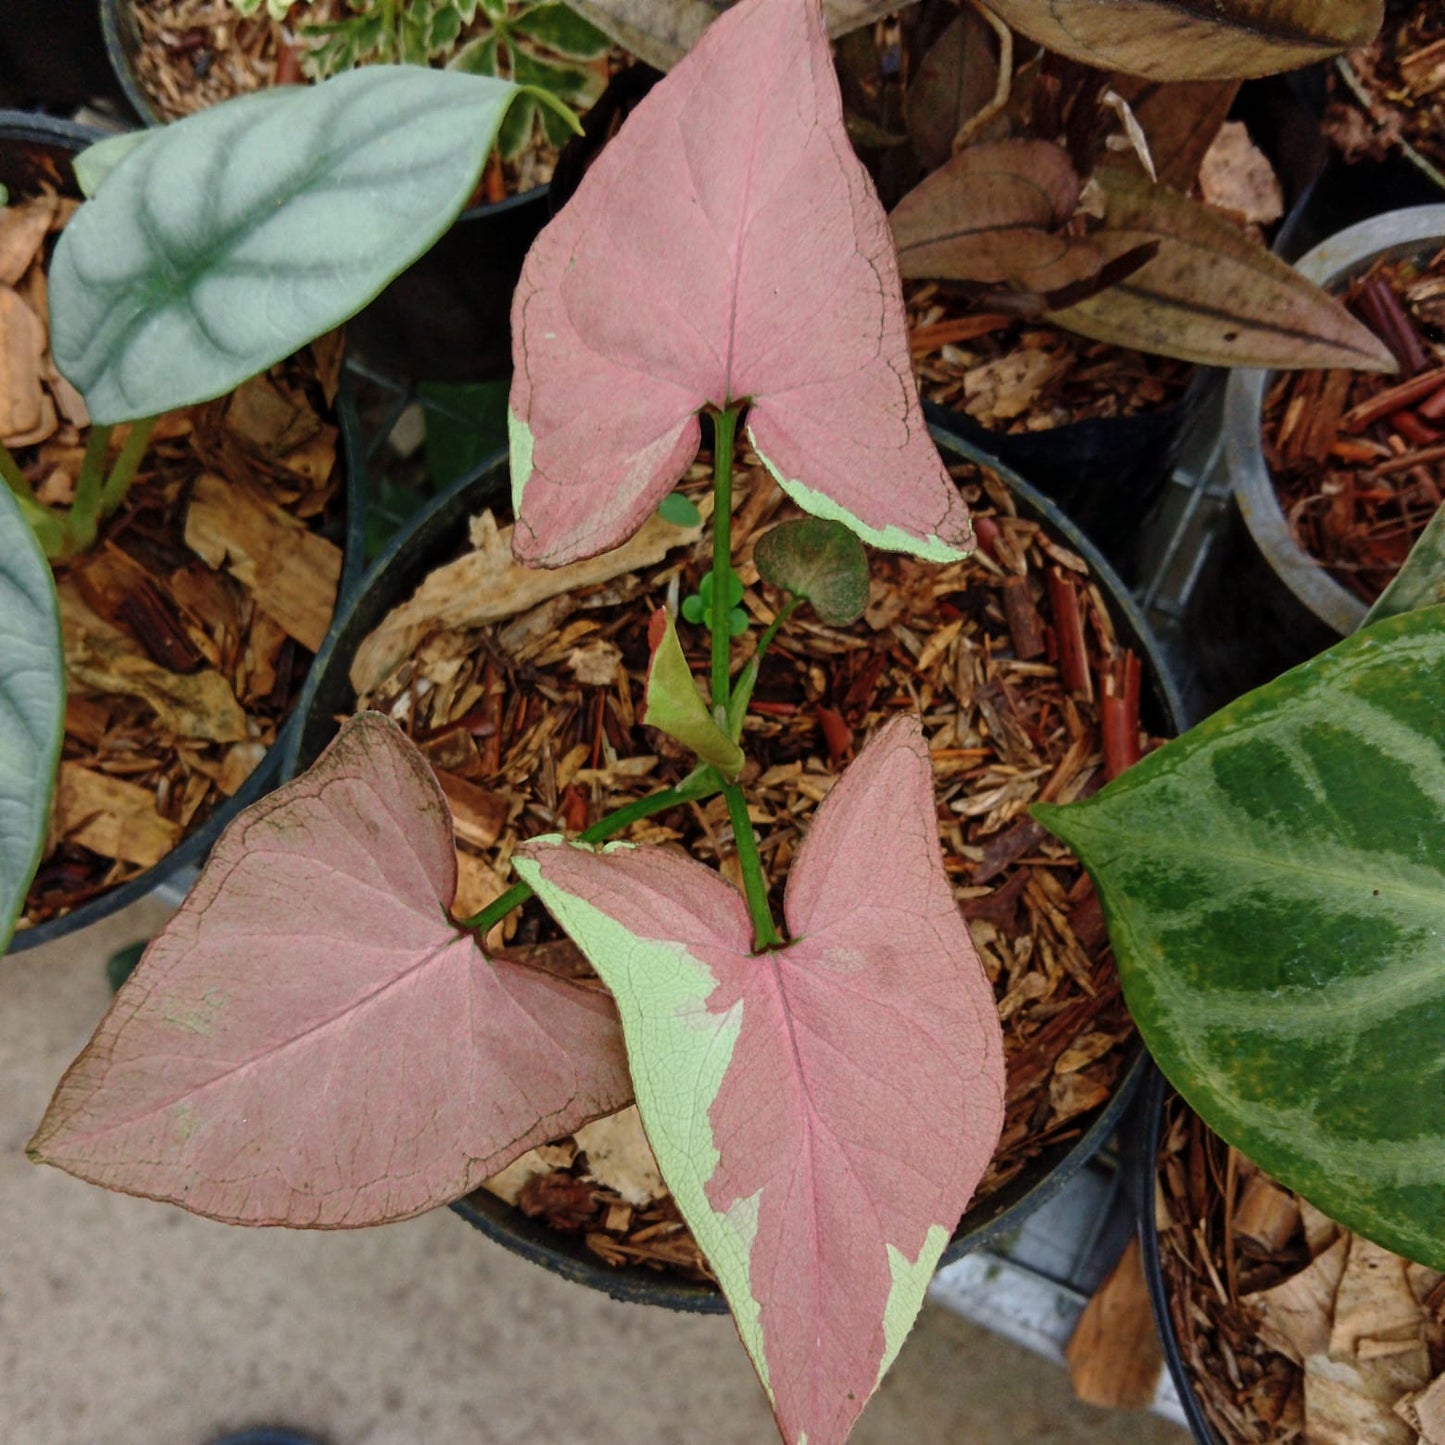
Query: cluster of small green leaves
[544, 45]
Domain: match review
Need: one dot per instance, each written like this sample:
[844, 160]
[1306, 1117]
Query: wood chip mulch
[190, 625]
[1290, 1327]
[1358, 459]
[1013, 375]
[1404, 74]
[1025, 694]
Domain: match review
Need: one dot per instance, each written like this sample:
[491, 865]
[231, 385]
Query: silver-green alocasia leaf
[1210, 295]
[1195, 39]
[726, 247]
[823, 1112]
[310, 1041]
[227, 240]
[32, 706]
[1274, 883]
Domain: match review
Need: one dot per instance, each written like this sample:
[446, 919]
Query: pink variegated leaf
[310, 1041]
[727, 246]
[821, 1113]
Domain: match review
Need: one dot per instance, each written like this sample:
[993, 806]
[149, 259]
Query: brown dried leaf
[1297, 1314]
[993, 213]
[22, 350]
[292, 572]
[23, 228]
[620, 1158]
[487, 585]
[1235, 176]
[111, 817]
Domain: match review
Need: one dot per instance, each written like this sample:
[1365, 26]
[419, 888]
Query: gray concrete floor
[124, 1322]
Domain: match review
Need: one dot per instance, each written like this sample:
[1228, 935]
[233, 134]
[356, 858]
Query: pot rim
[1334, 260]
[995, 1217]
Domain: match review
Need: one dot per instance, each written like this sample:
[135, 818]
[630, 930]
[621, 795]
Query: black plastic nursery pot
[36, 150]
[1141, 1164]
[1102, 473]
[431, 539]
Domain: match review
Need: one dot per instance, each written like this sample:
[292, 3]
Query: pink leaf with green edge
[672, 703]
[310, 1041]
[822, 1113]
[726, 246]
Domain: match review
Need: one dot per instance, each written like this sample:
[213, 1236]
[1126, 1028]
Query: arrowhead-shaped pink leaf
[310, 1042]
[726, 246]
[822, 1113]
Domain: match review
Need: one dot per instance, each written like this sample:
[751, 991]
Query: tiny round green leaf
[693, 609]
[679, 510]
[820, 560]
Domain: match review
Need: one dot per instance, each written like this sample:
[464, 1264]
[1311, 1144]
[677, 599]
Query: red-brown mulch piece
[1357, 457]
[1003, 731]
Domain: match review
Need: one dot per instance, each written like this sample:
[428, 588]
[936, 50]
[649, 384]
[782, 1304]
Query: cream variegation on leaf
[822, 1113]
[726, 247]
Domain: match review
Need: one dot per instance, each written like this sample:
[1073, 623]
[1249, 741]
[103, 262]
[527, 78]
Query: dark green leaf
[1421, 581]
[516, 130]
[231, 238]
[564, 31]
[478, 57]
[32, 707]
[1274, 884]
[562, 81]
[820, 560]
[465, 424]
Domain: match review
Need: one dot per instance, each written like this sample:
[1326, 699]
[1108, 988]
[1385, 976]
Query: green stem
[755, 886]
[482, 923]
[14, 477]
[83, 522]
[785, 612]
[722, 553]
[122, 474]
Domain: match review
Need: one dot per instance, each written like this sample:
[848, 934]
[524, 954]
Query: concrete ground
[124, 1322]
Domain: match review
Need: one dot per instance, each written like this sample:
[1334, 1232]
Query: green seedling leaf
[1210, 294]
[230, 238]
[995, 212]
[1421, 581]
[679, 510]
[727, 246]
[694, 609]
[820, 561]
[1274, 884]
[32, 706]
[310, 1041]
[821, 1113]
[1195, 39]
[673, 704]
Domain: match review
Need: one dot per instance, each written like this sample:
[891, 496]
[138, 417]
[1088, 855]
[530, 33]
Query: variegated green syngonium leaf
[1274, 882]
[672, 703]
[726, 248]
[32, 706]
[821, 1113]
[227, 240]
[1420, 582]
[310, 1041]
